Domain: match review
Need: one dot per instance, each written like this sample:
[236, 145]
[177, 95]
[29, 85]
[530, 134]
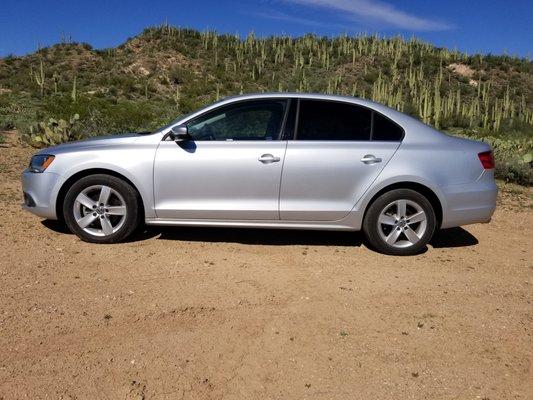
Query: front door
[230, 169]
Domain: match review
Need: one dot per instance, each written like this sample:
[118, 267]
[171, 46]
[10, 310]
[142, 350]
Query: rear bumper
[470, 203]
[39, 193]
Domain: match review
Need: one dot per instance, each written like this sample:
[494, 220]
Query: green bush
[515, 171]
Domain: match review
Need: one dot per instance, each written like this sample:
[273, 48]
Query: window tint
[385, 129]
[329, 120]
[251, 120]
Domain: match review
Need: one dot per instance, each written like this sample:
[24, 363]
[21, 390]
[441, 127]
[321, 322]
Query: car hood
[96, 141]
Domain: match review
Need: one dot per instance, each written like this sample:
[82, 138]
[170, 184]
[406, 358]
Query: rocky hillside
[166, 71]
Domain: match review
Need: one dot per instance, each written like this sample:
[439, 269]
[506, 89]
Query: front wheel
[102, 209]
[400, 222]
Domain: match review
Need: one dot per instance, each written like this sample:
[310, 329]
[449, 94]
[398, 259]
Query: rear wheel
[102, 209]
[400, 222]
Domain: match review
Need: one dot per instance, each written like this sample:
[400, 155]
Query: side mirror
[180, 133]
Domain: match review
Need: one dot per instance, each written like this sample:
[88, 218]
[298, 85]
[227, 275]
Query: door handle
[370, 159]
[268, 158]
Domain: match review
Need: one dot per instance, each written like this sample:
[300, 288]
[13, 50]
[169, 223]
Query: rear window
[385, 129]
[329, 120]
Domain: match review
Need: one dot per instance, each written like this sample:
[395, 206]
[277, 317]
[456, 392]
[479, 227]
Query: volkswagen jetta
[288, 160]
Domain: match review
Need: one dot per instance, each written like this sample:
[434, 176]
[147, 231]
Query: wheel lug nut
[94, 207]
[101, 217]
[94, 214]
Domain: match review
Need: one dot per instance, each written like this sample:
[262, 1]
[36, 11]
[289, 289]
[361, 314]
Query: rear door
[332, 159]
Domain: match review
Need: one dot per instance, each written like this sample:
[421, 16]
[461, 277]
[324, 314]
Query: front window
[248, 120]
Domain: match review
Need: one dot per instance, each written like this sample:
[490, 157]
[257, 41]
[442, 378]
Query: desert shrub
[97, 116]
[6, 125]
[516, 171]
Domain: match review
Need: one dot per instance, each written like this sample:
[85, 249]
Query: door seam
[281, 179]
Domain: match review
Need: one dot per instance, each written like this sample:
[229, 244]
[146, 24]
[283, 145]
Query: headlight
[40, 162]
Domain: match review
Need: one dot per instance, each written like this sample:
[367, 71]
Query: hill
[166, 71]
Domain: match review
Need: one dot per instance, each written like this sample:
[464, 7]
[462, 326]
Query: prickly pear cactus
[53, 131]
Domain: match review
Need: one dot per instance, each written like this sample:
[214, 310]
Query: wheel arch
[87, 172]
[427, 192]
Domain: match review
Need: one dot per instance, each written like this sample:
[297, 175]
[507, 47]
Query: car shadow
[56, 226]
[446, 238]
[453, 237]
[280, 237]
[234, 235]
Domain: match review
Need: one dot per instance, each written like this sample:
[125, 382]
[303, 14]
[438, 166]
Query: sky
[485, 26]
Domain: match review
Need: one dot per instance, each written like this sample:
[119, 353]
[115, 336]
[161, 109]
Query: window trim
[371, 126]
[281, 133]
[297, 122]
[371, 139]
[234, 103]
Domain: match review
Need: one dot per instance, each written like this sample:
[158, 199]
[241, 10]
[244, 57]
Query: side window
[249, 120]
[330, 120]
[386, 130]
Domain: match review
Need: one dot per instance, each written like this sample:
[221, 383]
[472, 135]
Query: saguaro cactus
[40, 77]
[74, 93]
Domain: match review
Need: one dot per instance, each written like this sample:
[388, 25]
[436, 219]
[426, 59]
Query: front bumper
[40, 191]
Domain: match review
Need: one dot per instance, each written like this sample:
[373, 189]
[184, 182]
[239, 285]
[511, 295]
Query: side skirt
[328, 226]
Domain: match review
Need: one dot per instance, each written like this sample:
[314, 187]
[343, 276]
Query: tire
[102, 209]
[400, 222]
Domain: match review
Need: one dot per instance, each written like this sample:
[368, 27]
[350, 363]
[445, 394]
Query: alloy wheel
[99, 210]
[402, 223]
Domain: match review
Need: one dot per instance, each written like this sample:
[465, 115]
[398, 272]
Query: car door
[231, 167]
[332, 160]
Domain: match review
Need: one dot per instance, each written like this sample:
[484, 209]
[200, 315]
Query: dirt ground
[252, 314]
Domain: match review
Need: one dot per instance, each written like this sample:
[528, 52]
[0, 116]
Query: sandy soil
[243, 314]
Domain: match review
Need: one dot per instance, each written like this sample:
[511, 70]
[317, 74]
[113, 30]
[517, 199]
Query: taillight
[487, 159]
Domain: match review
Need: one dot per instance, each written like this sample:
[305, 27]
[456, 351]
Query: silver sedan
[280, 160]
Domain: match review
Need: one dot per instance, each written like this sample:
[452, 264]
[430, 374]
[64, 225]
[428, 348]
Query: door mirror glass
[180, 133]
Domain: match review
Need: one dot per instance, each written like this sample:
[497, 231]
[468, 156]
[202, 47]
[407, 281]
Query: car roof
[383, 109]
[316, 96]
